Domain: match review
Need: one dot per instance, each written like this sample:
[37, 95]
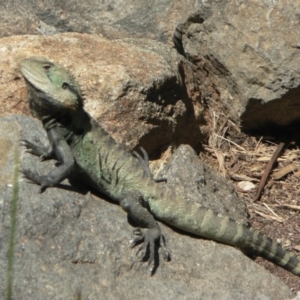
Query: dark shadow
[278, 118]
[163, 132]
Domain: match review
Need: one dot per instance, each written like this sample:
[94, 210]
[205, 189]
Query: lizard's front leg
[37, 149]
[63, 154]
[150, 234]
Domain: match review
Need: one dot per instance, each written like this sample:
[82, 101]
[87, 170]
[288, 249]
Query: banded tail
[193, 218]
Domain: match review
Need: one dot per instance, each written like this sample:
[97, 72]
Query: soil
[243, 159]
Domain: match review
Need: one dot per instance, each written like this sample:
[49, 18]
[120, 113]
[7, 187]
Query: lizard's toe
[30, 175]
[29, 147]
[166, 253]
[151, 239]
[34, 177]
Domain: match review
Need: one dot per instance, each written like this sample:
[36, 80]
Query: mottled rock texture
[70, 242]
[246, 59]
[135, 88]
[240, 58]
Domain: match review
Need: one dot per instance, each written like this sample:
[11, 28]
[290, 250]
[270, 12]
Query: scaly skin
[87, 153]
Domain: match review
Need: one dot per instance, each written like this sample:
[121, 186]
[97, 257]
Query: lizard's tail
[203, 222]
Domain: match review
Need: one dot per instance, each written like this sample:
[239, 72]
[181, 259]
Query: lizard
[86, 152]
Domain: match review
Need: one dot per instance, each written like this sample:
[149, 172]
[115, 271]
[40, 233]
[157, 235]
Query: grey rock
[70, 243]
[244, 56]
[246, 59]
[114, 19]
[204, 185]
[134, 87]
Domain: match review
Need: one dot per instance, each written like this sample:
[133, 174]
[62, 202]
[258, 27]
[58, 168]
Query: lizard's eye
[65, 85]
[46, 67]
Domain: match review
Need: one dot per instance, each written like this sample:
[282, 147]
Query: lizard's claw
[147, 251]
[34, 177]
[35, 149]
[30, 147]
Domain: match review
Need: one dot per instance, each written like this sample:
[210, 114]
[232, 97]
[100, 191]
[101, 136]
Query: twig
[268, 169]
[293, 207]
[238, 146]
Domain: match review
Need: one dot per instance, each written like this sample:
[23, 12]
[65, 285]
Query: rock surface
[114, 19]
[246, 59]
[237, 57]
[133, 87]
[245, 54]
[70, 243]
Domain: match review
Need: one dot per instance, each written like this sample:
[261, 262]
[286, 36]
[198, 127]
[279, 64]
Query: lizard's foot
[39, 150]
[147, 251]
[36, 178]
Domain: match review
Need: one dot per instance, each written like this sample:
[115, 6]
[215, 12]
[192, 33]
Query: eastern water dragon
[86, 152]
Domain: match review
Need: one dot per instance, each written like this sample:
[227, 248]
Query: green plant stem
[13, 223]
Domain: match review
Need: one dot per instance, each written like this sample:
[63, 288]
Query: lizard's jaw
[41, 104]
[51, 89]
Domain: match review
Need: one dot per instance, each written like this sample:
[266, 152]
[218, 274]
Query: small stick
[268, 169]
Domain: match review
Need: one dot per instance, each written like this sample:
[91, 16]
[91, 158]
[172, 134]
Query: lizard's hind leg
[149, 235]
[144, 162]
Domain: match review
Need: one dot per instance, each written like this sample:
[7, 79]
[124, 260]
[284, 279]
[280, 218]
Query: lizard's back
[106, 165]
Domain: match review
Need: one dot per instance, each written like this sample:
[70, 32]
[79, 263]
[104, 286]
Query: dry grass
[242, 159]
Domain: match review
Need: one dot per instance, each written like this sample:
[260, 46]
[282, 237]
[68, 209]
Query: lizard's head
[51, 88]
